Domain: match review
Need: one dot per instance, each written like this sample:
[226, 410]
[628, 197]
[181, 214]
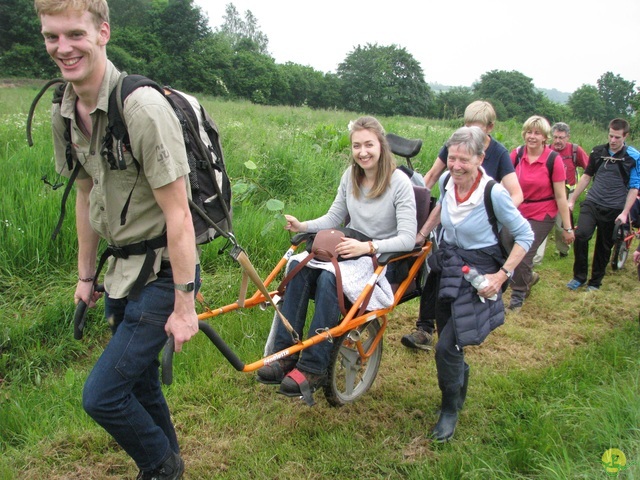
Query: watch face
[185, 287]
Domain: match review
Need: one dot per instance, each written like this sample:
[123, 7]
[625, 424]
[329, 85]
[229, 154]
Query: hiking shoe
[563, 254]
[592, 288]
[418, 339]
[535, 278]
[514, 308]
[298, 383]
[273, 373]
[171, 469]
[574, 284]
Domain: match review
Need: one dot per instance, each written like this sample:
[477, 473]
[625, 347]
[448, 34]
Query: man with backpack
[123, 392]
[573, 157]
[614, 169]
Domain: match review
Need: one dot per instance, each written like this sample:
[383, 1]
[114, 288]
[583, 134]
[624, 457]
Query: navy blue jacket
[473, 320]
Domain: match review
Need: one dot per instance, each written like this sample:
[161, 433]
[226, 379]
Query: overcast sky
[560, 44]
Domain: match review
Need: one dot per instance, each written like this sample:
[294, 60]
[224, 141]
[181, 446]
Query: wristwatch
[507, 273]
[374, 247]
[185, 287]
[568, 230]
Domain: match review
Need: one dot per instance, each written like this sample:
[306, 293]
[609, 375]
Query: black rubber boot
[446, 426]
[463, 390]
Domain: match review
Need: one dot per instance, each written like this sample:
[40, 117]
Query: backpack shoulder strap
[446, 180]
[116, 128]
[125, 86]
[574, 154]
[551, 159]
[488, 205]
[519, 153]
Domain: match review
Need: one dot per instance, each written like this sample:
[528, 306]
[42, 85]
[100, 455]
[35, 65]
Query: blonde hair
[99, 9]
[537, 122]
[386, 162]
[481, 112]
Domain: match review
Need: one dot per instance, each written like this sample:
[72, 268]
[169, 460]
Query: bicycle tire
[619, 255]
[350, 377]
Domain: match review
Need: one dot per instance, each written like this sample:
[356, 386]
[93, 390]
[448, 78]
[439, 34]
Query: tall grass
[551, 390]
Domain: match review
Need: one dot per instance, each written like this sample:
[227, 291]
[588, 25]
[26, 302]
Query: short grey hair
[561, 127]
[472, 138]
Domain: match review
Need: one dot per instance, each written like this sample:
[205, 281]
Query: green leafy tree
[326, 91]
[236, 29]
[178, 28]
[22, 51]
[305, 86]
[18, 22]
[206, 65]
[299, 80]
[451, 103]
[513, 89]
[135, 50]
[616, 94]
[254, 76]
[384, 80]
[131, 13]
[553, 111]
[587, 105]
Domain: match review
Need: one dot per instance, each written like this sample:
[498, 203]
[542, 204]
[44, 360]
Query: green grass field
[550, 391]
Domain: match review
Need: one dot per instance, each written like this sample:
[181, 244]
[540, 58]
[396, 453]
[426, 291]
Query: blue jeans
[310, 283]
[123, 392]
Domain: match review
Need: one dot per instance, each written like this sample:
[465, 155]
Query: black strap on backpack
[117, 130]
[617, 158]
[72, 164]
[488, 205]
[550, 161]
[146, 248]
[57, 98]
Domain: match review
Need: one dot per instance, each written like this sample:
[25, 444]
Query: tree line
[171, 41]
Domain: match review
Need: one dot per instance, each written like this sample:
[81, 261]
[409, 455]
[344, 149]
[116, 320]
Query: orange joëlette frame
[348, 323]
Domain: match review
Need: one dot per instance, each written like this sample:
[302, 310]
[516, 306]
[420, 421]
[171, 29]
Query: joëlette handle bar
[617, 233]
[167, 354]
[80, 317]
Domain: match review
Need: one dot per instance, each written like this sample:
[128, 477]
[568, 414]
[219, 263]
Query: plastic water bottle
[477, 280]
